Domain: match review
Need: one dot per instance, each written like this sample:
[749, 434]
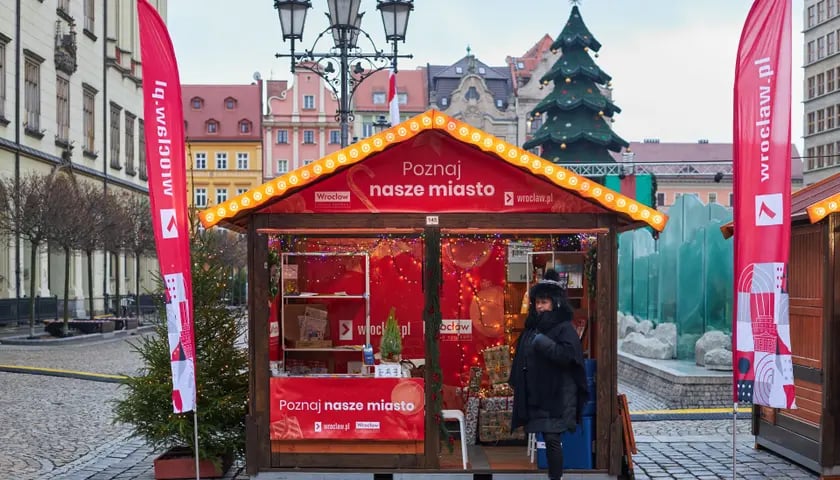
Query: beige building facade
[71, 98]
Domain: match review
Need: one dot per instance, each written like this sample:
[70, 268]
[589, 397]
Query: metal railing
[660, 169]
[16, 310]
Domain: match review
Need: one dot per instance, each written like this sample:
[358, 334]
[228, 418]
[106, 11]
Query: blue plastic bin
[577, 447]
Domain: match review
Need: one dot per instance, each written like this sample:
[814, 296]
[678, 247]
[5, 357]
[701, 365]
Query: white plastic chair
[459, 415]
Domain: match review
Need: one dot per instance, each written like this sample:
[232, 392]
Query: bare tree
[91, 205]
[114, 234]
[67, 222]
[140, 238]
[25, 214]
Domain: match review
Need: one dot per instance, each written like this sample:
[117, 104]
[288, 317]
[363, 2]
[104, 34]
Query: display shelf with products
[305, 323]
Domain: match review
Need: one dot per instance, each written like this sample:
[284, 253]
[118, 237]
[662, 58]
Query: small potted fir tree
[390, 345]
[222, 379]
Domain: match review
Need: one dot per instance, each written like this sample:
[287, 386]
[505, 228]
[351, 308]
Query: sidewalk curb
[55, 372]
[22, 340]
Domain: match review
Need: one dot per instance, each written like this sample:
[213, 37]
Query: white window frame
[200, 197]
[380, 98]
[335, 137]
[712, 198]
[200, 162]
[242, 160]
[309, 102]
[221, 160]
[282, 166]
[285, 136]
[306, 135]
[221, 196]
[241, 190]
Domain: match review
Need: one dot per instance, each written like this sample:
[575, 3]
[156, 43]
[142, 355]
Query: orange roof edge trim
[819, 210]
[433, 120]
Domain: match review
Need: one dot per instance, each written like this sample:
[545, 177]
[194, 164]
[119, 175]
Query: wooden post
[432, 279]
[258, 446]
[608, 437]
[831, 354]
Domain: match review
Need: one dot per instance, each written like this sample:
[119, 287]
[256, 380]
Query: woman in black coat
[547, 375]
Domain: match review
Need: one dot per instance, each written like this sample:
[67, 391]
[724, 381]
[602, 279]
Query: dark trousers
[554, 453]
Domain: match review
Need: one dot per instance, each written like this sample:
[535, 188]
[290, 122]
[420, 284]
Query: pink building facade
[299, 126]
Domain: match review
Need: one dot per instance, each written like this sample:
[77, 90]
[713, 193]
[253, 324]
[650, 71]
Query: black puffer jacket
[547, 375]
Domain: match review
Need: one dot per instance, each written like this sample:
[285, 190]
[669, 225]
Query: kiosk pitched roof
[284, 185]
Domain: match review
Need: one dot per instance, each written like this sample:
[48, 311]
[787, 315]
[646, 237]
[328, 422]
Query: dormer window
[230, 103]
[520, 65]
[459, 70]
[212, 126]
[482, 70]
[244, 126]
[444, 101]
[500, 103]
[197, 103]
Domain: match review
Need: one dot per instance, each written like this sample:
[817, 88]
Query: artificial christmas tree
[576, 115]
[390, 346]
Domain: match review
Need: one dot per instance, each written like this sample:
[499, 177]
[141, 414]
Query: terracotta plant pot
[179, 463]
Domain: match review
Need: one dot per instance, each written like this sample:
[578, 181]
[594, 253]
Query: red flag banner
[166, 168]
[762, 367]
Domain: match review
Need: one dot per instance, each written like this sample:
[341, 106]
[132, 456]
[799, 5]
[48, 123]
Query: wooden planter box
[126, 323]
[178, 463]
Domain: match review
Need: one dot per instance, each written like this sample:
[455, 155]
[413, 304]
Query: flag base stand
[180, 463]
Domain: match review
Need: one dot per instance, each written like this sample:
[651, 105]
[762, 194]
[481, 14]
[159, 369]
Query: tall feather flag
[393, 99]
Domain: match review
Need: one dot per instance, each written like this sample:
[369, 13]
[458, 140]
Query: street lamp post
[345, 28]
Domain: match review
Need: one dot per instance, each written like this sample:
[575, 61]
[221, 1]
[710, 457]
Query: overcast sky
[672, 61]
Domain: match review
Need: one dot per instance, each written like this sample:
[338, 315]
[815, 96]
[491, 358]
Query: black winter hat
[549, 287]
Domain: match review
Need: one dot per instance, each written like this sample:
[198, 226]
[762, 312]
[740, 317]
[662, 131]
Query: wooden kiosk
[810, 434]
[406, 202]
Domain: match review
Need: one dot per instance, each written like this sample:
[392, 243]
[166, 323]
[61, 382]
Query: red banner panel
[763, 368]
[433, 173]
[317, 408]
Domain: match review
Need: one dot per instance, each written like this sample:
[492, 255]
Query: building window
[367, 129]
[221, 161]
[820, 156]
[282, 136]
[242, 160]
[829, 155]
[230, 103]
[520, 65]
[309, 102]
[459, 70]
[114, 123]
[244, 126]
[811, 17]
[812, 89]
[335, 136]
[829, 81]
[810, 154]
[90, 15]
[482, 70]
[200, 197]
[282, 166]
[89, 119]
[62, 109]
[379, 98]
[402, 98]
[129, 144]
[660, 199]
[820, 47]
[829, 117]
[820, 120]
[444, 101]
[200, 161]
[141, 149]
[811, 51]
[820, 84]
[731, 199]
[32, 95]
[830, 9]
[307, 162]
[811, 117]
[309, 136]
[240, 191]
[830, 44]
[712, 197]
[3, 42]
[197, 103]
[221, 195]
[821, 11]
[212, 126]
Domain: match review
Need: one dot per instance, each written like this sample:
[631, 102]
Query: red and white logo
[769, 210]
[332, 197]
[169, 223]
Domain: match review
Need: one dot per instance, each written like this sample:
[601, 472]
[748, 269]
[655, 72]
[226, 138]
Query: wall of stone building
[482, 112]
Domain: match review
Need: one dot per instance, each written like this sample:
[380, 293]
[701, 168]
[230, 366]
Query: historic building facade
[300, 125]
[223, 141]
[370, 101]
[71, 99]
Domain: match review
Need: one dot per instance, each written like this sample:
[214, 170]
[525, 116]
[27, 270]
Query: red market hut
[439, 227]
[809, 434]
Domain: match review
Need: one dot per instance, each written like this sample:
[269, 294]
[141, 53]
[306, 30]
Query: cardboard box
[291, 327]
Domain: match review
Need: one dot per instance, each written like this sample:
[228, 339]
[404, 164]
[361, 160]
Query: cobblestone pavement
[60, 428]
[638, 399]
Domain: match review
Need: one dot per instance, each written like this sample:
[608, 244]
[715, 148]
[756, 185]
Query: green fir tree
[390, 345]
[576, 115]
[221, 364]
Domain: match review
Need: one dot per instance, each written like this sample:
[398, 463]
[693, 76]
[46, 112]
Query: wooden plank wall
[807, 253]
